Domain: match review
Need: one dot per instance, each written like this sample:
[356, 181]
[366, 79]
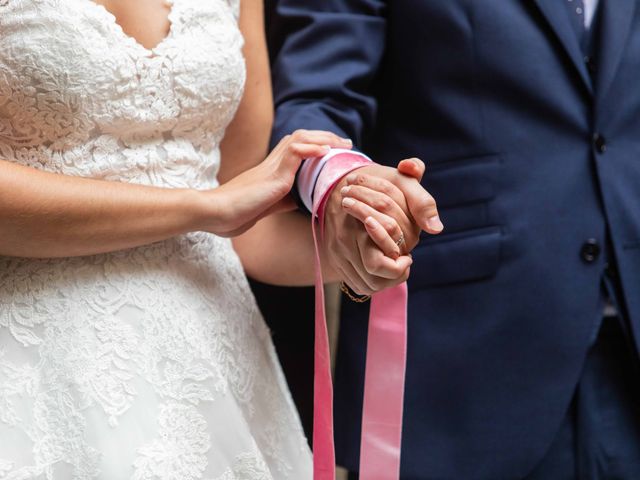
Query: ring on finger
[400, 240]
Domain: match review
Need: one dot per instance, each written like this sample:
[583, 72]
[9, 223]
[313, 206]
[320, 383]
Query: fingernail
[326, 148]
[434, 223]
[348, 202]
[348, 141]
[351, 178]
[370, 222]
[345, 190]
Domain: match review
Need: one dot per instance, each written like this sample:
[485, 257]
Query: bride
[130, 344]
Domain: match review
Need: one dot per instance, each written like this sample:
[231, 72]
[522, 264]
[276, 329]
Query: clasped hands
[373, 216]
[373, 220]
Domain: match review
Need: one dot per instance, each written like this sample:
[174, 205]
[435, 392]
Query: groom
[524, 315]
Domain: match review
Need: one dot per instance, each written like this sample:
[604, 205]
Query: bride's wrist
[204, 208]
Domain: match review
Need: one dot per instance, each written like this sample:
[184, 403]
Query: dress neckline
[111, 19]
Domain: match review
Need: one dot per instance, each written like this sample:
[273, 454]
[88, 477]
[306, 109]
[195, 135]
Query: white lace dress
[154, 362]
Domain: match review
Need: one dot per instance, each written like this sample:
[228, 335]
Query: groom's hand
[408, 205]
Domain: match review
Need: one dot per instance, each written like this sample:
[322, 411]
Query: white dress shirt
[589, 11]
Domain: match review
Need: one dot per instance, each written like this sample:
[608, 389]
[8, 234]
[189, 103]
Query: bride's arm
[51, 215]
[279, 249]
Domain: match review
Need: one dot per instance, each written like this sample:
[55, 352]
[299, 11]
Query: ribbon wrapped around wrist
[385, 362]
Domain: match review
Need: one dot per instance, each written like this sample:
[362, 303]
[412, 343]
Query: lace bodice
[153, 362]
[79, 96]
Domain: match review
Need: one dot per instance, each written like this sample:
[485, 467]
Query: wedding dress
[153, 362]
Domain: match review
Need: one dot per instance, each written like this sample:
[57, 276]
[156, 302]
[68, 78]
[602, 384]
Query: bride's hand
[237, 205]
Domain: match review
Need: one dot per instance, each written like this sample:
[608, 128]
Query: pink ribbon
[385, 363]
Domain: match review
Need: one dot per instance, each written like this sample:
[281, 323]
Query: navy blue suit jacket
[531, 152]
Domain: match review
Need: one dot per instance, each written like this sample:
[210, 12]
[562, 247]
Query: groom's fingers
[357, 277]
[413, 167]
[350, 264]
[422, 206]
[353, 280]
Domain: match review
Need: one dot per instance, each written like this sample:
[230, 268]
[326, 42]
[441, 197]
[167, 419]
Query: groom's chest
[513, 40]
[453, 26]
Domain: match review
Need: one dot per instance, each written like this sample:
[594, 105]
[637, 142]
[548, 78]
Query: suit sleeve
[325, 58]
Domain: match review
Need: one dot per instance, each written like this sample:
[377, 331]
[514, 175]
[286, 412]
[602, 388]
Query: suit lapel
[557, 17]
[617, 17]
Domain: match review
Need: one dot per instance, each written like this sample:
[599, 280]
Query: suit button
[591, 64]
[590, 250]
[599, 143]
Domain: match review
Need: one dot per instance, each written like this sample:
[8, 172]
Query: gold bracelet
[347, 291]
